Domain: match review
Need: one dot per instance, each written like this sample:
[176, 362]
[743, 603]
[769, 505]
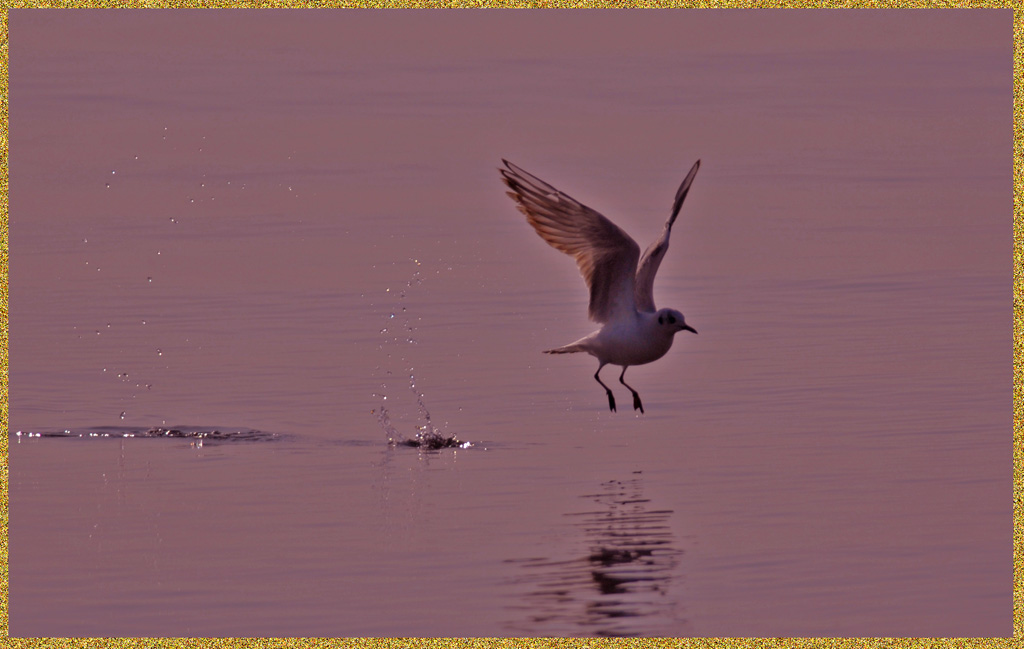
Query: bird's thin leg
[636, 397]
[611, 397]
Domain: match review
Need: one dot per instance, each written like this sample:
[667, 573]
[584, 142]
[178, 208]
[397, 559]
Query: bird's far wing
[656, 252]
[605, 254]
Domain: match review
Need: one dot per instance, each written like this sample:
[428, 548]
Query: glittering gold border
[507, 643]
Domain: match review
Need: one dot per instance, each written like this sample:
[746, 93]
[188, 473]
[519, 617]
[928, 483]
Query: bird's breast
[632, 343]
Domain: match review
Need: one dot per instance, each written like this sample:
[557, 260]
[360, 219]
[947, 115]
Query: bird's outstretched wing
[606, 255]
[656, 252]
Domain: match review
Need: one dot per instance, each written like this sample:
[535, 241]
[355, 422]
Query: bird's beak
[689, 328]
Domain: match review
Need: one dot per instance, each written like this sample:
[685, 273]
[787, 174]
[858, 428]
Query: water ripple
[205, 434]
[619, 585]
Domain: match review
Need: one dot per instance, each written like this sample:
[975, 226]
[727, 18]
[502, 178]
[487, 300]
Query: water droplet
[143, 322]
[159, 352]
[149, 279]
[384, 330]
[108, 185]
[113, 172]
[392, 315]
[122, 414]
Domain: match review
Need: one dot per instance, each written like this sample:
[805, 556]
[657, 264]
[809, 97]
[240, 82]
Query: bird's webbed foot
[636, 403]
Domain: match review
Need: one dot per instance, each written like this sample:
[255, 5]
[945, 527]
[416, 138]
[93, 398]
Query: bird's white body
[621, 282]
[633, 340]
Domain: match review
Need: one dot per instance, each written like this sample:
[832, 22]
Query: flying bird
[621, 282]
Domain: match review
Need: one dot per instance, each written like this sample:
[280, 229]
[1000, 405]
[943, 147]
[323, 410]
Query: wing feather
[606, 256]
[649, 263]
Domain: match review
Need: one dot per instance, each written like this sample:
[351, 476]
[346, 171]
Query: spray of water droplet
[427, 435]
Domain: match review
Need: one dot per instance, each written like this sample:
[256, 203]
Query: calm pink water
[272, 221]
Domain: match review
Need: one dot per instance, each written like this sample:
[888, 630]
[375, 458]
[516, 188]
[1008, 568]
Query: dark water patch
[430, 442]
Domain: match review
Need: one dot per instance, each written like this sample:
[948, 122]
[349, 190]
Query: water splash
[424, 438]
[426, 435]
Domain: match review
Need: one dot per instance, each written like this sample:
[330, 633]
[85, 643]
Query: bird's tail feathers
[568, 349]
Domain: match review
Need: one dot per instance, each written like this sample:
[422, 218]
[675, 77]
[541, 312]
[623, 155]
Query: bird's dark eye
[671, 320]
[661, 320]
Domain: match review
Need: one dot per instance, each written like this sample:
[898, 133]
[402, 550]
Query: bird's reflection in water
[620, 583]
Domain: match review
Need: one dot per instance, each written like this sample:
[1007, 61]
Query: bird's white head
[673, 321]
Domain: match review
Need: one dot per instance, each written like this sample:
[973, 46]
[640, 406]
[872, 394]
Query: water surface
[276, 242]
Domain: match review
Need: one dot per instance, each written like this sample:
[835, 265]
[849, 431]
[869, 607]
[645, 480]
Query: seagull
[621, 282]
